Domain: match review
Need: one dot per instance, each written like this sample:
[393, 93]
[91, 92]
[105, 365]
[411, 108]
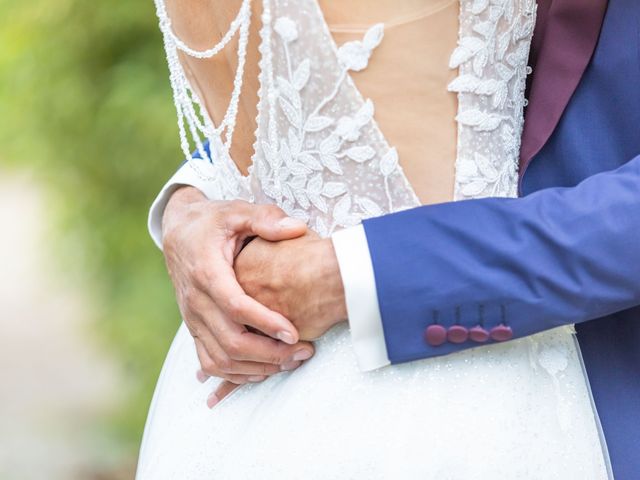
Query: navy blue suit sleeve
[558, 256]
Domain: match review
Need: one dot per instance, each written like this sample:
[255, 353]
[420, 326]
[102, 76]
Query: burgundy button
[457, 334]
[478, 334]
[501, 333]
[435, 335]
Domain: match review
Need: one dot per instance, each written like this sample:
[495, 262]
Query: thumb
[271, 223]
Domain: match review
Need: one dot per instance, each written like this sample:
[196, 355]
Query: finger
[237, 306]
[266, 221]
[222, 391]
[224, 309]
[215, 362]
[201, 376]
[208, 367]
[232, 349]
[235, 379]
[250, 347]
[211, 369]
[246, 311]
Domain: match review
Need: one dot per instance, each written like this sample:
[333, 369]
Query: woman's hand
[201, 239]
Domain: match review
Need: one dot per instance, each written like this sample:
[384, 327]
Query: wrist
[182, 197]
[328, 275]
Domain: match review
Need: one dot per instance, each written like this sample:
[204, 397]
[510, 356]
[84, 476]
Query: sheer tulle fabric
[516, 410]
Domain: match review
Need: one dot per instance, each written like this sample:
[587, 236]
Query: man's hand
[201, 239]
[298, 278]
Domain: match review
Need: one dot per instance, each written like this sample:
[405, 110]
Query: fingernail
[212, 400]
[289, 222]
[302, 355]
[256, 378]
[289, 366]
[201, 376]
[286, 337]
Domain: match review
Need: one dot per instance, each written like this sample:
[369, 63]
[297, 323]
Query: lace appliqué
[303, 157]
[492, 53]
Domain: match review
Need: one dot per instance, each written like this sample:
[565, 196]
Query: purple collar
[565, 38]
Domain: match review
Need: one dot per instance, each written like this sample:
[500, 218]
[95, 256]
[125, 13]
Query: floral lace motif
[303, 161]
[323, 143]
[495, 37]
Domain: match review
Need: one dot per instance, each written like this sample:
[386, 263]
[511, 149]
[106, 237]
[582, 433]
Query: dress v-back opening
[421, 124]
[490, 58]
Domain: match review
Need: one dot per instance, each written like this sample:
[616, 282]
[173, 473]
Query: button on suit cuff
[187, 175]
[356, 270]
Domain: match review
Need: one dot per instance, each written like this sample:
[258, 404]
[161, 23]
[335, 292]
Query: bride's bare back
[407, 77]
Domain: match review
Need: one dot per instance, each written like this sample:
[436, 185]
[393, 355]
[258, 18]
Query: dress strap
[193, 119]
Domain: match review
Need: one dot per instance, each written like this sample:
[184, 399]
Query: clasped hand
[251, 310]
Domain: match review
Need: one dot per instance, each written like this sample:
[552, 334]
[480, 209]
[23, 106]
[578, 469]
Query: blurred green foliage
[85, 101]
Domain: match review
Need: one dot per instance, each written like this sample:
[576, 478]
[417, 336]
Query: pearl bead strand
[198, 123]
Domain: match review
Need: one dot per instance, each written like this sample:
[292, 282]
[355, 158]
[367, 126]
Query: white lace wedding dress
[519, 410]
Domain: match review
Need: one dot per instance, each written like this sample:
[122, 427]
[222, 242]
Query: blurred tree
[85, 101]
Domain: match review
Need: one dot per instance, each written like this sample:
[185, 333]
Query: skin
[299, 278]
[243, 335]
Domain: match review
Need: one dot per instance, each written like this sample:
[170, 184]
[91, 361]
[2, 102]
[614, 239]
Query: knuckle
[209, 367]
[190, 298]
[271, 211]
[274, 358]
[234, 308]
[194, 329]
[235, 205]
[225, 212]
[219, 211]
[234, 348]
[238, 379]
[225, 364]
[202, 277]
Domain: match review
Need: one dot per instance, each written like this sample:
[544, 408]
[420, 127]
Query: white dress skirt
[510, 411]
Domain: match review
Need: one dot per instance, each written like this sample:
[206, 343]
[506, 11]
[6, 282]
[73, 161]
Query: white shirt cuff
[361, 297]
[187, 174]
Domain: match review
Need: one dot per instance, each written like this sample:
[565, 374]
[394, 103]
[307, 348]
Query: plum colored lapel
[570, 30]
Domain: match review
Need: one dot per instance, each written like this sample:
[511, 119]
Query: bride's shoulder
[197, 26]
[193, 8]
[202, 23]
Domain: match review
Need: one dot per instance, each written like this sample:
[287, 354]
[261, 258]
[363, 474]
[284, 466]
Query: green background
[85, 102]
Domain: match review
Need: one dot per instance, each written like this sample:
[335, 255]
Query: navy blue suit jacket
[567, 252]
